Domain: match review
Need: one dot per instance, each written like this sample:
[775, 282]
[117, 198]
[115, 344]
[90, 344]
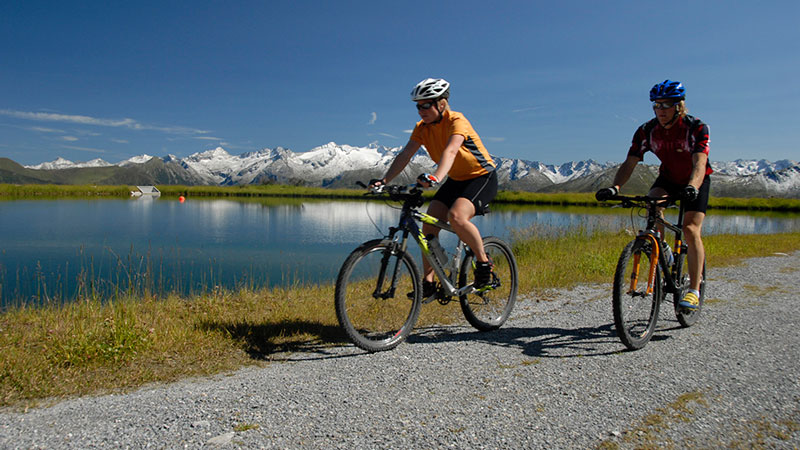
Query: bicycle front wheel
[636, 304]
[489, 309]
[378, 295]
[687, 317]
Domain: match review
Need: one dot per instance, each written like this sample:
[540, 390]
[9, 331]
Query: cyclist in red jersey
[681, 143]
[460, 156]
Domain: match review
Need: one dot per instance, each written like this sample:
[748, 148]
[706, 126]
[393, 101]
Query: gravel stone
[555, 376]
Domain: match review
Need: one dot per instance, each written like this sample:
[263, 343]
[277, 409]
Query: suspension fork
[654, 262]
[393, 249]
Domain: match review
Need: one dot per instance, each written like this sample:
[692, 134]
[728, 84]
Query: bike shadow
[302, 340]
[278, 341]
[539, 342]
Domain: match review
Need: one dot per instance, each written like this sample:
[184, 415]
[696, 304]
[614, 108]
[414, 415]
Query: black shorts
[700, 204]
[480, 191]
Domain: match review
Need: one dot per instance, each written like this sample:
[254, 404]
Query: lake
[54, 250]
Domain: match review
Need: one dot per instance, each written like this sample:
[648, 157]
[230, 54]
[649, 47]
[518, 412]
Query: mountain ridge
[333, 165]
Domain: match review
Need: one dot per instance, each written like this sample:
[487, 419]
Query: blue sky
[542, 81]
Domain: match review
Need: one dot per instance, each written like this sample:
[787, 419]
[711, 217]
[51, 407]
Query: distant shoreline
[50, 191]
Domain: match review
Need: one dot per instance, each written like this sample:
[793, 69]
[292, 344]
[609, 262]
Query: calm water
[56, 249]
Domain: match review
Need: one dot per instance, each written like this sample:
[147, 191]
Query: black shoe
[428, 290]
[483, 275]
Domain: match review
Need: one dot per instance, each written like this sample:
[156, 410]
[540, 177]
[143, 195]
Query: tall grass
[96, 345]
[17, 191]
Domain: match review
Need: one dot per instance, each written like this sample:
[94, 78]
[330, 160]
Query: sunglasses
[427, 105]
[664, 105]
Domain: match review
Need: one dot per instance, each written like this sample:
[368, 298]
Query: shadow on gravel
[289, 341]
[540, 342]
[279, 341]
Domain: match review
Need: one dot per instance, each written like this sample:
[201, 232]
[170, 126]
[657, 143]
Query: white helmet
[430, 88]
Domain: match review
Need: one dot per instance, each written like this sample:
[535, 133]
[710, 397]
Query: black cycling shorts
[480, 191]
[700, 204]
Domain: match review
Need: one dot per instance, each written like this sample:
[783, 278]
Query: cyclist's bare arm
[625, 170]
[699, 161]
[401, 160]
[448, 156]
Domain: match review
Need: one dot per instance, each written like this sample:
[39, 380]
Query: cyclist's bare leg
[696, 254]
[459, 216]
[439, 210]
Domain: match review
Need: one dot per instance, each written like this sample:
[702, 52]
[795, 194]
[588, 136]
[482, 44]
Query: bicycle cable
[366, 207]
[375, 224]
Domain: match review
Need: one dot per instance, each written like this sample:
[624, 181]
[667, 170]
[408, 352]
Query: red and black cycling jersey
[674, 146]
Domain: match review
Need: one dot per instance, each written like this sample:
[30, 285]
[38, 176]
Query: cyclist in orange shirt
[460, 156]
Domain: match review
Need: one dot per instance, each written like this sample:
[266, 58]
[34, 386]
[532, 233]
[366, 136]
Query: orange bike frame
[651, 276]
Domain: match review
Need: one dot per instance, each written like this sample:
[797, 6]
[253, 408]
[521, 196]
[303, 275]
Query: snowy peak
[141, 159]
[571, 170]
[742, 167]
[61, 163]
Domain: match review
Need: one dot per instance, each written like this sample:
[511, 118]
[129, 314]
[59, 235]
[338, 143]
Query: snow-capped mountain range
[333, 165]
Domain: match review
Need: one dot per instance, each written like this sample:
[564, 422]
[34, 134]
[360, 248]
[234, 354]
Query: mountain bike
[379, 286]
[647, 270]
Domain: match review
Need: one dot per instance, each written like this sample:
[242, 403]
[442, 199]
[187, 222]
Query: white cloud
[120, 141]
[208, 138]
[85, 149]
[69, 138]
[87, 120]
[532, 108]
[45, 130]
[373, 118]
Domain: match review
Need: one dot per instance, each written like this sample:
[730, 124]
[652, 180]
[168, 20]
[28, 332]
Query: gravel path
[554, 377]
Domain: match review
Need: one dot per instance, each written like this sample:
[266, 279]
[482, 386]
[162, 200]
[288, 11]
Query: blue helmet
[668, 89]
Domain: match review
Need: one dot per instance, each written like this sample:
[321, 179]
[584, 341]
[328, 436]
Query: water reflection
[63, 248]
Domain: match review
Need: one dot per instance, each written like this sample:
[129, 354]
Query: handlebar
[630, 201]
[399, 192]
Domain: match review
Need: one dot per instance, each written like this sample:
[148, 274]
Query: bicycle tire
[688, 317]
[489, 310]
[370, 322]
[636, 311]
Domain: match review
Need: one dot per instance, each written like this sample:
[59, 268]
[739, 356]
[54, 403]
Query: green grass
[93, 346]
[17, 191]
[14, 191]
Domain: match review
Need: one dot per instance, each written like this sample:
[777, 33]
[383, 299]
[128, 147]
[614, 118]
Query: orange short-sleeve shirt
[473, 160]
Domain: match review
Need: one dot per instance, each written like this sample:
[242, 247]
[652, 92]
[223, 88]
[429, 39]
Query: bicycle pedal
[427, 300]
[487, 288]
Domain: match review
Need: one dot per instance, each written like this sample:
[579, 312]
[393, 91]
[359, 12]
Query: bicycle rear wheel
[635, 309]
[687, 317]
[489, 309]
[378, 295]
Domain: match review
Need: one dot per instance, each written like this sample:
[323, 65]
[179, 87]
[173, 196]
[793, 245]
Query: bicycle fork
[654, 261]
[395, 248]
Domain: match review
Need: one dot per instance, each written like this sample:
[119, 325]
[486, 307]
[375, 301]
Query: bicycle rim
[688, 317]
[636, 309]
[489, 310]
[374, 315]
